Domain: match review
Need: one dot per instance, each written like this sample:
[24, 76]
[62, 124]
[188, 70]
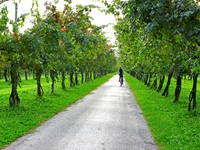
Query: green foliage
[153, 29]
[60, 41]
[15, 122]
[158, 37]
[3, 19]
[171, 126]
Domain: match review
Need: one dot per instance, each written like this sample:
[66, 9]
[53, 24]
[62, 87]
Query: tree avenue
[58, 43]
[159, 38]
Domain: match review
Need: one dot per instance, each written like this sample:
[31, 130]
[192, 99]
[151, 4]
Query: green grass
[15, 122]
[172, 126]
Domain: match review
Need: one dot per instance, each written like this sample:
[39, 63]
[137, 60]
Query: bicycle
[121, 81]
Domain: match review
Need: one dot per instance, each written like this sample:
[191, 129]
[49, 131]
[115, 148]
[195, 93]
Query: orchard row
[160, 38]
[58, 43]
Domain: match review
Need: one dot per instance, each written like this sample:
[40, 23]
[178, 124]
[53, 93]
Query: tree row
[58, 43]
[159, 39]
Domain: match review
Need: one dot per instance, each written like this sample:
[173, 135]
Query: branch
[198, 43]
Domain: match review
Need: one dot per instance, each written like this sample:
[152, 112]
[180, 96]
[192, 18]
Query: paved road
[106, 119]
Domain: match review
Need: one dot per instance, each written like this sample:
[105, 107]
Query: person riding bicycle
[121, 72]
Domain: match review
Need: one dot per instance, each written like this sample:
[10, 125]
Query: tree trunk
[97, 74]
[52, 75]
[40, 91]
[63, 81]
[34, 74]
[90, 75]
[105, 73]
[5, 74]
[71, 79]
[149, 81]
[162, 79]
[101, 73]
[185, 76]
[192, 97]
[178, 89]
[14, 99]
[86, 76]
[166, 91]
[94, 74]
[146, 79]
[82, 77]
[76, 79]
[26, 75]
[154, 85]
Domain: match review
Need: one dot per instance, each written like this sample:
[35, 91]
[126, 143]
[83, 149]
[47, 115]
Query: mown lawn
[172, 126]
[15, 122]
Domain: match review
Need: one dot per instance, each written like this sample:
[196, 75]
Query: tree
[59, 41]
[168, 25]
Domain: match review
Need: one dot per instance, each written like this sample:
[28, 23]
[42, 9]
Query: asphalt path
[106, 119]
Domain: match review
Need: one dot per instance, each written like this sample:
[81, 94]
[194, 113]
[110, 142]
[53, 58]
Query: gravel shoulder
[106, 119]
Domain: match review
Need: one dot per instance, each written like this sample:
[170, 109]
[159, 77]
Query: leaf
[56, 1]
[150, 26]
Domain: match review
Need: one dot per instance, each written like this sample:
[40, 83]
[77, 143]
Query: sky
[99, 18]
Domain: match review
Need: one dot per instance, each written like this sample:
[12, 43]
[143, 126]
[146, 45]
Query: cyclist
[121, 72]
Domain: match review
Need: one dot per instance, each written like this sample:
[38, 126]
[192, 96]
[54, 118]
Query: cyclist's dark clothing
[121, 72]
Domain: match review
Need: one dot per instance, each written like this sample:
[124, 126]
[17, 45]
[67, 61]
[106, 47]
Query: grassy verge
[171, 125]
[15, 122]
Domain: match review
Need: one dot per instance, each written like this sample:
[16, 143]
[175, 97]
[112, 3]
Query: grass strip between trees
[15, 122]
[172, 126]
